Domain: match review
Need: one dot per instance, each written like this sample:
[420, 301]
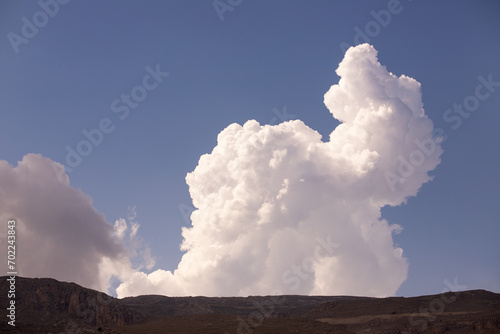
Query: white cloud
[278, 211]
[59, 233]
[120, 228]
[138, 253]
[267, 196]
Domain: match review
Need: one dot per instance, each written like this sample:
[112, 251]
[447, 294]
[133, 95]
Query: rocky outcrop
[45, 300]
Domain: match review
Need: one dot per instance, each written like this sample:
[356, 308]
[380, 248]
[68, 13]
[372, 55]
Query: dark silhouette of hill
[45, 305]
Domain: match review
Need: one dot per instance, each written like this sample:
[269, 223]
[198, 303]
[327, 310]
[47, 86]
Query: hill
[45, 305]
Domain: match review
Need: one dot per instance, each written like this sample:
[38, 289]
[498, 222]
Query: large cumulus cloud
[280, 211]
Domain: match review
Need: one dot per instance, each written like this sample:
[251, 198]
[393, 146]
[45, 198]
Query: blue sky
[262, 57]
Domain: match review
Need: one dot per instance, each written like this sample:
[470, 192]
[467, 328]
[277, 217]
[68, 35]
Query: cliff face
[45, 300]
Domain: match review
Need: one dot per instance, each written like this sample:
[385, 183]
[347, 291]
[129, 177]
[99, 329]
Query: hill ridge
[46, 305]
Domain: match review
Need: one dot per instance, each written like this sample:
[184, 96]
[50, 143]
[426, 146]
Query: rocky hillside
[49, 306]
[48, 301]
[475, 311]
[274, 306]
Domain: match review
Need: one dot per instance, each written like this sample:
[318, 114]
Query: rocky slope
[47, 301]
[49, 306]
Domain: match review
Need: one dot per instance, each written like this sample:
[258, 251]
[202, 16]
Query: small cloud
[120, 228]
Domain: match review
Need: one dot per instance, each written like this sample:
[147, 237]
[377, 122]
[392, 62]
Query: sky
[309, 170]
